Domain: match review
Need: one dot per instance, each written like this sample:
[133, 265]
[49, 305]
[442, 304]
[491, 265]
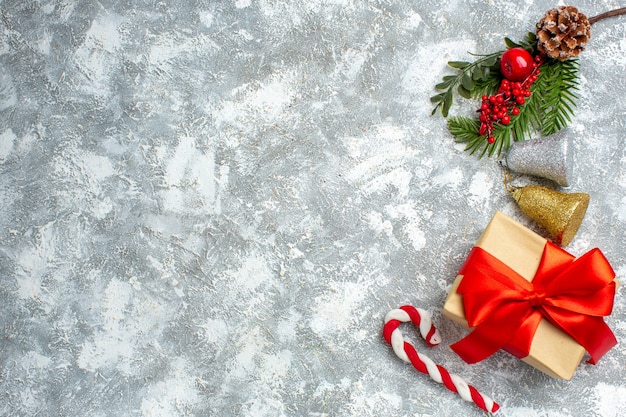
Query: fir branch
[548, 109]
[558, 83]
[465, 130]
[521, 127]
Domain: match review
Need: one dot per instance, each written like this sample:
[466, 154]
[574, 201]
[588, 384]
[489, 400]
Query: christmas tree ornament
[548, 157]
[560, 214]
[406, 351]
[516, 64]
[528, 88]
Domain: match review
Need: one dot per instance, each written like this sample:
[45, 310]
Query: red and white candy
[407, 353]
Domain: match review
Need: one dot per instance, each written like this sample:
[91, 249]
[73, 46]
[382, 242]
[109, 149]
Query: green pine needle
[465, 130]
[549, 109]
[559, 81]
[521, 126]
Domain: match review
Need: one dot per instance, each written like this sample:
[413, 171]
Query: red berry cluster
[500, 107]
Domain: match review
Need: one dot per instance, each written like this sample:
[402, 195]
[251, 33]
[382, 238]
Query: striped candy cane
[407, 353]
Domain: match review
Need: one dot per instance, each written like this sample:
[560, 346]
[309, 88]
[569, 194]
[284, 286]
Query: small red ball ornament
[516, 64]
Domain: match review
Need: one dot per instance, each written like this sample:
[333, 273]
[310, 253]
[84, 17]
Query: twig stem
[610, 13]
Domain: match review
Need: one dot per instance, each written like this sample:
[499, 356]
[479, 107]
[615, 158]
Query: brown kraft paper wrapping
[552, 351]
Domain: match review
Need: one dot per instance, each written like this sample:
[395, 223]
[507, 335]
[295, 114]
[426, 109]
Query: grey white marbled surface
[207, 207]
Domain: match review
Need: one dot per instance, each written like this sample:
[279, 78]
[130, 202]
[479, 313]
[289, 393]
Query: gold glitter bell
[559, 213]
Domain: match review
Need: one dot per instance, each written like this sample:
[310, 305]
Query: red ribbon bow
[505, 309]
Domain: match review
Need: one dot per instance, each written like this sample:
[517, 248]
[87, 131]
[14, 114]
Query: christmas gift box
[519, 292]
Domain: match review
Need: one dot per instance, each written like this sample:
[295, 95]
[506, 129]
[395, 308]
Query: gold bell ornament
[559, 213]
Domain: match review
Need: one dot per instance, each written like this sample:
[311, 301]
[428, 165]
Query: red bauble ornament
[516, 64]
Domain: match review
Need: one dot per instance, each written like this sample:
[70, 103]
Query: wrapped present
[522, 293]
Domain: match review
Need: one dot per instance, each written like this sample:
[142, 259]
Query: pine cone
[563, 32]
